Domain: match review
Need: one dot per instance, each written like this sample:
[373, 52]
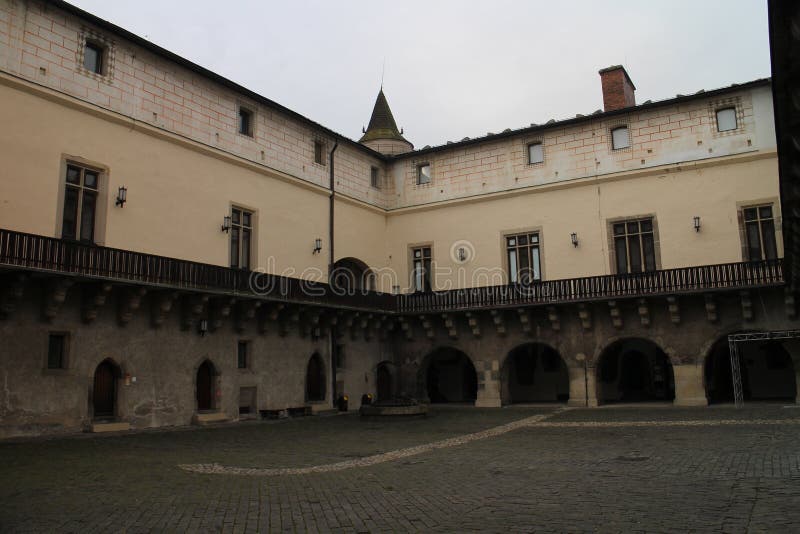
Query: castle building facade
[175, 248]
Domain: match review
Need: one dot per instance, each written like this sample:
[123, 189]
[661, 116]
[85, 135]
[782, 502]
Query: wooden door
[105, 390]
[205, 386]
[384, 382]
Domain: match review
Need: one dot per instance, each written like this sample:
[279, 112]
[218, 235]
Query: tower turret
[382, 133]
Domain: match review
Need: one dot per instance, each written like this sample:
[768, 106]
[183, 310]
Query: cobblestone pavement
[705, 469]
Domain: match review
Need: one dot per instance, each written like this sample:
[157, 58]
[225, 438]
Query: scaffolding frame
[733, 345]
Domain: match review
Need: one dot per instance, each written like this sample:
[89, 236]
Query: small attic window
[319, 152]
[93, 57]
[424, 174]
[375, 178]
[245, 121]
[535, 153]
[726, 119]
[620, 138]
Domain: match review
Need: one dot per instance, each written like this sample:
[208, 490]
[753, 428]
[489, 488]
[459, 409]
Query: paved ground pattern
[609, 470]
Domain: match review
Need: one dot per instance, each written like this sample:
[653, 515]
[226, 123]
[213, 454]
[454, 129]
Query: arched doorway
[767, 371]
[104, 390]
[449, 376]
[315, 379]
[351, 274]
[384, 382]
[634, 370]
[534, 372]
[206, 387]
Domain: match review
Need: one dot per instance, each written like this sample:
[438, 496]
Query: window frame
[731, 108]
[612, 242]
[98, 218]
[319, 150]
[412, 258]
[65, 352]
[243, 344]
[374, 177]
[243, 110]
[102, 55]
[528, 152]
[506, 251]
[419, 174]
[617, 128]
[238, 229]
[743, 230]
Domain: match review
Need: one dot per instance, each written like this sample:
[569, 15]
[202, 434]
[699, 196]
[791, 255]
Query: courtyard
[645, 468]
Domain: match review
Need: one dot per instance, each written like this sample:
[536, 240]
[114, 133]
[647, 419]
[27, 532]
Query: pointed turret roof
[381, 124]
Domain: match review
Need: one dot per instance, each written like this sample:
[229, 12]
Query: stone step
[209, 418]
[110, 426]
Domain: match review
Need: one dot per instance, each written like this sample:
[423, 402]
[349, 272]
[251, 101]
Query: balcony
[46, 254]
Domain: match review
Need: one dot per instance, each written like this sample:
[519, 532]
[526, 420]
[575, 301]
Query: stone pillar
[581, 384]
[689, 389]
[489, 387]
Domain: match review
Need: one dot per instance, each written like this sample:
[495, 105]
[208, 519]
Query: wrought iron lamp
[226, 223]
[317, 246]
[574, 238]
[696, 223]
[122, 196]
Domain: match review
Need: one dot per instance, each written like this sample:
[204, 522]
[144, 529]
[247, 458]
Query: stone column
[581, 385]
[489, 387]
[689, 389]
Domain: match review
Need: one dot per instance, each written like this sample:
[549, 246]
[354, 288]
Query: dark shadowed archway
[448, 375]
[534, 372]
[384, 381]
[351, 274]
[205, 385]
[767, 370]
[315, 379]
[104, 390]
[634, 370]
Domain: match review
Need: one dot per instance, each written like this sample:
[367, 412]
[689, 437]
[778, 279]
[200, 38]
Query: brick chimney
[618, 89]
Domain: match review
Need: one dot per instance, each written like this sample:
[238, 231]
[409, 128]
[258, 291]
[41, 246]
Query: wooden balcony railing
[42, 253]
[665, 282]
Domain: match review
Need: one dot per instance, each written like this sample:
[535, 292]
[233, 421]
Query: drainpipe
[331, 347]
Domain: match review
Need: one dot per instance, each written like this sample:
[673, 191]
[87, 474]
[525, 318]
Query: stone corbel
[499, 322]
[711, 308]
[644, 312]
[552, 316]
[789, 304]
[450, 325]
[524, 320]
[473, 320]
[160, 306]
[747, 306]
[192, 308]
[674, 309]
[219, 310]
[616, 314]
[244, 312]
[129, 301]
[11, 294]
[585, 316]
[55, 295]
[94, 297]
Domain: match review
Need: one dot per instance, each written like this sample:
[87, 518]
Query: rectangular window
[93, 57]
[634, 246]
[424, 174]
[241, 236]
[620, 138]
[319, 152]
[80, 203]
[522, 251]
[759, 231]
[57, 351]
[726, 119]
[535, 153]
[241, 359]
[421, 267]
[245, 122]
[374, 177]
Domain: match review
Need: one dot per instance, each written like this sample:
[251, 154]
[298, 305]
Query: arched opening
[449, 376]
[104, 390]
[384, 382]
[635, 370]
[315, 379]
[206, 387]
[351, 274]
[534, 372]
[766, 367]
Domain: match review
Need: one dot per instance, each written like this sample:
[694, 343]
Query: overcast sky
[455, 68]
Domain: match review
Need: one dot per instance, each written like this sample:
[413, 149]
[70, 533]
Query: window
[80, 203]
[726, 119]
[57, 351]
[319, 152]
[245, 122]
[523, 258]
[241, 356]
[759, 231]
[374, 177]
[93, 57]
[535, 153]
[241, 233]
[424, 174]
[634, 246]
[620, 138]
[421, 259]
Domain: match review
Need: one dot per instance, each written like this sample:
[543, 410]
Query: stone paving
[513, 469]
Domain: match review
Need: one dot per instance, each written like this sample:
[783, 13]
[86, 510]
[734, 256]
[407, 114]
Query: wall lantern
[122, 196]
[202, 327]
[574, 238]
[226, 223]
[462, 254]
[696, 223]
[317, 246]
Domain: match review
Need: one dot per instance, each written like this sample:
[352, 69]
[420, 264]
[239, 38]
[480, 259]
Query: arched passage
[766, 367]
[104, 390]
[315, 379]
[634, 370]
[206, 387]
[534, 372]
[351, 274]
[449, 376]
[384, 381]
